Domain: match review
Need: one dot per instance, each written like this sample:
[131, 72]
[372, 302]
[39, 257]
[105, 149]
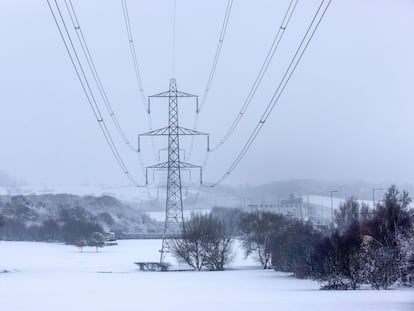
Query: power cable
[80, 73]
[263, 69]
[279, 90]
[91, 64]
[86, 51]
[137, 71]
[218, 53]
[213, 67]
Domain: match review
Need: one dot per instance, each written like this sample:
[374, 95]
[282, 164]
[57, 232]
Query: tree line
[364, 247]
[70, 226]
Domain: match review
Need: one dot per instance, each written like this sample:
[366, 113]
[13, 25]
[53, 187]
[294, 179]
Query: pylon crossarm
[159, 165]
[187, 131]
[175, 94]
[167, 94]
[157, 132]
[181, 131]
[162, 94]
[189, 165]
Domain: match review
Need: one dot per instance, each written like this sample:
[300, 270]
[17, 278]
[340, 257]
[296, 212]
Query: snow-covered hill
[111, 213]
[151, 198]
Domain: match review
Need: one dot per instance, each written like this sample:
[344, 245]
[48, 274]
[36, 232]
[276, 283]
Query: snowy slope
[111, 213]
[150, 198]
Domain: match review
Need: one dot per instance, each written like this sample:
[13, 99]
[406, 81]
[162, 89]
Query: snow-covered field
[58, 277]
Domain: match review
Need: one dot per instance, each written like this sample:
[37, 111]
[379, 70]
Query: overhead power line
[218, 52]
[137, 71]
[213, 66]
[263, 69]
[280, 88]
[81, 75]
[91, 64]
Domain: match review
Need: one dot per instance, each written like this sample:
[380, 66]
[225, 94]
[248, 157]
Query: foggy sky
[346, 114]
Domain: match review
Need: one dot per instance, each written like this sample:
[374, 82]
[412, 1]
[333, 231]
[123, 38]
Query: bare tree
[348, 212]
[258, 229]
[203, 243]
[96, 240]
[81, 244]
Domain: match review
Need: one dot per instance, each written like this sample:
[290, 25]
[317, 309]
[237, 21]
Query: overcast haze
[346, 114]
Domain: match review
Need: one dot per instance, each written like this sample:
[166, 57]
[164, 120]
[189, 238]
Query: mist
[346, 114]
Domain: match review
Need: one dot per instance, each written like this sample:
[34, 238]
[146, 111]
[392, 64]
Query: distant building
[110, 239]
[292, 201]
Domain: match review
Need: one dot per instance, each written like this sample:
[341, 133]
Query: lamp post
[322, 208]
[373, 195]
[332, 212]
[300, 206]
[278, 203]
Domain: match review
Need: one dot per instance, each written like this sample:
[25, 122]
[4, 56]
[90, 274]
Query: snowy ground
[58, 277]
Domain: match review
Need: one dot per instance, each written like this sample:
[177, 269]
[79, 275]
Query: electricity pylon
[174, 219]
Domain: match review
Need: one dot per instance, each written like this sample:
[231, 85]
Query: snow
[326, 201]
[126, 193]
[160, 215]
[46, 276]
[194, 196]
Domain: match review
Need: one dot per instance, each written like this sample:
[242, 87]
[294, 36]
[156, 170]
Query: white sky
[346, 114]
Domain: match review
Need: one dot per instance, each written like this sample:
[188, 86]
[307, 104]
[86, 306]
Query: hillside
[109, 212]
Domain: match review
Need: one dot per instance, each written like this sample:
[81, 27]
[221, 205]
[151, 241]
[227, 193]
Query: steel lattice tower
[174, 219]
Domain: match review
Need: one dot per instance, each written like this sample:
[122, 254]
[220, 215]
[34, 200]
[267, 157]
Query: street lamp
[373, 195]
[332, 213]
[278, 203]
